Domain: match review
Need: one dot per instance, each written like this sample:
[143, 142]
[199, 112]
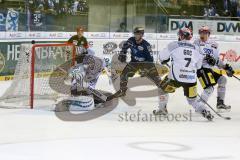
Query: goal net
[40, 75]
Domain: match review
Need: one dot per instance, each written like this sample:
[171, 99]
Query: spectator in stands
[65, 9]
[60, 6]
[233, 8]
[82, 6]
[210, 12]
[57, 5]
[184, 14]
[75, 7]
[37, 22]
[123, 27]
[226, 6]
[238, 10]
[213, 3]
[205, 12]
[40, 8]
[35, 4]
[50, 6]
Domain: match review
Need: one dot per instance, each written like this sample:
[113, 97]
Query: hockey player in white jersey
[206, 75]
[185, 60]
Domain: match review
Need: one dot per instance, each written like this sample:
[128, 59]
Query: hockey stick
[236, 77]
[226, 118]
[98, 94]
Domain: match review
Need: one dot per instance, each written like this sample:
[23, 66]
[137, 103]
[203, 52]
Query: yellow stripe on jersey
[211, 78]
[202, 82]
[193, 91]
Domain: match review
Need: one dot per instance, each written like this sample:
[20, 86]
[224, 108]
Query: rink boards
[105, 44]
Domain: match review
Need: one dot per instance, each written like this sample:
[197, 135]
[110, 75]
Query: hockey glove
[210, 60]
[122, 57]
[229, 70]
[165, 61]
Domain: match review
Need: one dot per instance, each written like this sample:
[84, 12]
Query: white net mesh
[51, 65]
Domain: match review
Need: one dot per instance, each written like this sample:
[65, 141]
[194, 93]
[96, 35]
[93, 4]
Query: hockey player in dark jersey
[81, 44]
[79, 39]
[141, 59]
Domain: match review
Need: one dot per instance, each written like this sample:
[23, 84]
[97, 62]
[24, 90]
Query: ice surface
[38, 134]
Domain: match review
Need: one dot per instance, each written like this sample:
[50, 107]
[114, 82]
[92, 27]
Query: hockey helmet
[139, 30]
[185, 33]
[204, 29]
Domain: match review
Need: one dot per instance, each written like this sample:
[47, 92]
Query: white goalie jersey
[88, 72]
[185, 61]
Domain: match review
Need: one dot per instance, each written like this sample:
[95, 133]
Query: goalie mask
[89, 62]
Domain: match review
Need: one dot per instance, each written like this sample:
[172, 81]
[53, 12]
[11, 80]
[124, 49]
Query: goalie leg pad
[82, 103]
[79, 103]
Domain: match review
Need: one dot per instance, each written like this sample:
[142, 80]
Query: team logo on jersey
[140, 48]
[2, 62]
[208, 51]
[189, 77]
[149, 48]
[109, 47]
[187, 71]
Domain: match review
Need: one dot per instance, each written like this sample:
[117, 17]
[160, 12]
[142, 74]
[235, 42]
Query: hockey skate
[207, 114]
[163, 112]
[221, 107]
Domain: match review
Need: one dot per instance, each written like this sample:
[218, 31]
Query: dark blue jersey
[139, 52]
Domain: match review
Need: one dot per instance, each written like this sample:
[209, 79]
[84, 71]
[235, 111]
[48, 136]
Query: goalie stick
[97, 94]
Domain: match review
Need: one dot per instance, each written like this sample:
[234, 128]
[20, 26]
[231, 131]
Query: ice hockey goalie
[84, 77]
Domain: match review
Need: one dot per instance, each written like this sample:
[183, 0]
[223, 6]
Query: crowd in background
[226, 8]
[71, 7]
[210, 8]
[63, 15]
